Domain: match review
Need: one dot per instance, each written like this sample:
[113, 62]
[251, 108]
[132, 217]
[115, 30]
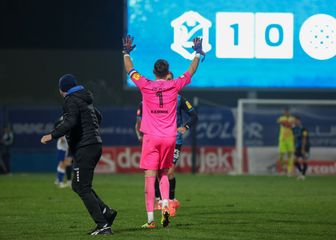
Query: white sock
[150, 216]
[164, 203]
[59, 169]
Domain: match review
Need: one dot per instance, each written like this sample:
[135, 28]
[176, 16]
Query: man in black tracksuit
[81, 126]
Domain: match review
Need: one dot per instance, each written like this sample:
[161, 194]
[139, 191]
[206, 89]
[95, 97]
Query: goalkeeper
[158, 124]
[183, 105]
[286, 141]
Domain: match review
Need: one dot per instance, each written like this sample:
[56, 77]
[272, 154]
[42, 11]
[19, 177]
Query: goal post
[255, 104]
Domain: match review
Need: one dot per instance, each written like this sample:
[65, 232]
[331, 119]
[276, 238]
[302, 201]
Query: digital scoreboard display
[256, 44]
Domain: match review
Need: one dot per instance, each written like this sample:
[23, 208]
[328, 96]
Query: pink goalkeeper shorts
[157, 152]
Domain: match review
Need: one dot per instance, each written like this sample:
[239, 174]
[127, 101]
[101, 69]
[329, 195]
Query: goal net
[257, 134]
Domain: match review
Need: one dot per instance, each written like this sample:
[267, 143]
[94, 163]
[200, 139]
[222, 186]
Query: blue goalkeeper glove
[127, 44]
[198, 47]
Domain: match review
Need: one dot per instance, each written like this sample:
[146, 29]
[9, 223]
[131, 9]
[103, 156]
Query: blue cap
[66, 82]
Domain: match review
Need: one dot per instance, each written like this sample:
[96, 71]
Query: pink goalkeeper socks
[150, 193]
[164, 187]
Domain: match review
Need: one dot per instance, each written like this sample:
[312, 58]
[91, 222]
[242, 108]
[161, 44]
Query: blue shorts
[61, 155]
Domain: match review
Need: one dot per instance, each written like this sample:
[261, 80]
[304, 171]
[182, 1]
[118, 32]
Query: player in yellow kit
[286, 141]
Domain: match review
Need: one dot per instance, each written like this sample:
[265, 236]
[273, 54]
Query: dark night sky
[43, 39]
[61, 24]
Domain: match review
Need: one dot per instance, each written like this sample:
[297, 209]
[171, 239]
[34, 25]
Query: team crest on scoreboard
[186, 27]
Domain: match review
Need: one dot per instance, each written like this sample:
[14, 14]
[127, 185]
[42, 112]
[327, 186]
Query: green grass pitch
[212, 207]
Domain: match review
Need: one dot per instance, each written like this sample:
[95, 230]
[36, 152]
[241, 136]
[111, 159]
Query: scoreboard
[258, 44]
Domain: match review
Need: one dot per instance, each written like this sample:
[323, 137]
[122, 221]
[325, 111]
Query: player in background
[64, 159]
[183, 105]
[159, 99]
[286, 140]
[302, 147]
[62, 152]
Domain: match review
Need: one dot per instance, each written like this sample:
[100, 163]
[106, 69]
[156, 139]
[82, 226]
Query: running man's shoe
[101, 231]
[110, 214]
[149, 225]
[165, 219]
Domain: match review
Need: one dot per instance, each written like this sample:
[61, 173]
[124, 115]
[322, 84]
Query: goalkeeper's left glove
[198, 47]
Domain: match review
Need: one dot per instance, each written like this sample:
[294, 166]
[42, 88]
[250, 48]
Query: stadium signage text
[126, 159]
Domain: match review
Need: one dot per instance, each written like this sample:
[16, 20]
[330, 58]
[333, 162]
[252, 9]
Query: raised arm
[194, 65]
[127, 48]
[128, 63]
[198, 49]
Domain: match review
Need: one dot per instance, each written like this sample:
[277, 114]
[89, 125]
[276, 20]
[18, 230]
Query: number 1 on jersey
[159, 94]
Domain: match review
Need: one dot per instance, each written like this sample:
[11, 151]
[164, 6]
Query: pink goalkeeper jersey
[159, 99]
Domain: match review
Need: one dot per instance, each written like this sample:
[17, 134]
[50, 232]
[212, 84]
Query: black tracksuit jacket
[80, 122]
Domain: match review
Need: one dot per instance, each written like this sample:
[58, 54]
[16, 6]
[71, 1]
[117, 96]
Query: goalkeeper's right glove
[127, 44]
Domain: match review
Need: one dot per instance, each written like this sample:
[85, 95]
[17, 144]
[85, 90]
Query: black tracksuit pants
[85, 160]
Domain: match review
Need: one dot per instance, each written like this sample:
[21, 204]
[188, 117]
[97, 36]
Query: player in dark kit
[81, 128]
[183, 105]
[302, 147]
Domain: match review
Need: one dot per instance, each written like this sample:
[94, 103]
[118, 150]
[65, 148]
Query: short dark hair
[161, 68]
